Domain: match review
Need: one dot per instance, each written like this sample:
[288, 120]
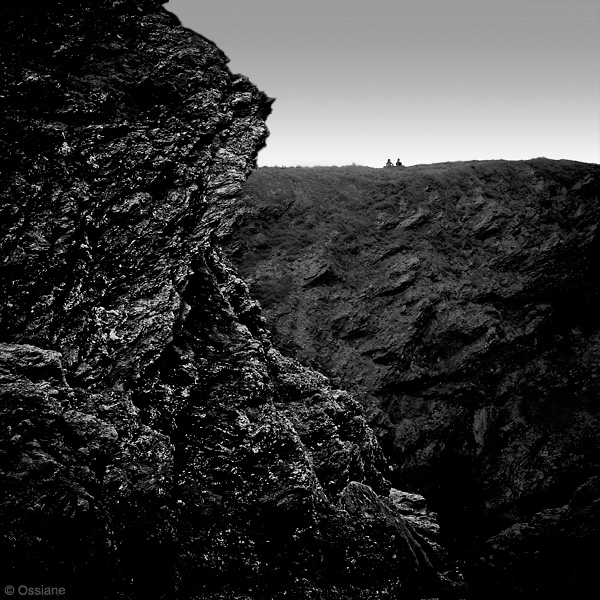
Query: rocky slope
[153, 441]
[460, 302]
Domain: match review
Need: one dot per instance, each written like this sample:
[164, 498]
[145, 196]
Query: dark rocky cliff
[153, 442]
[460, 302]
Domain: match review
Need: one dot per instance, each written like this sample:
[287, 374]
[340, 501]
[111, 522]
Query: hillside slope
[153, 441]
[460, 302]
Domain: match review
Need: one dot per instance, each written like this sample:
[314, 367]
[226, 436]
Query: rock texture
[460, 302]
[153, 442]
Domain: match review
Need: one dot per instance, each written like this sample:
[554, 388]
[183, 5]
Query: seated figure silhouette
[398, 163]
[389, 163]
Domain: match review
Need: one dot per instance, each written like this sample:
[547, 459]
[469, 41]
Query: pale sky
[361, 81]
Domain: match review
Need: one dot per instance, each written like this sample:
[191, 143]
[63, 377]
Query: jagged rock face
[460, 302]
[154, 443]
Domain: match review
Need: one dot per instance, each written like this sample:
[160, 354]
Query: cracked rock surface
[154, 443]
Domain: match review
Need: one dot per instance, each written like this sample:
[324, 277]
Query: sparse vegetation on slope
[459, 300]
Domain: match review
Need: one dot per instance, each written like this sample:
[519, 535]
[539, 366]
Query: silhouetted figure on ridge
[398, 163]
[389, 163]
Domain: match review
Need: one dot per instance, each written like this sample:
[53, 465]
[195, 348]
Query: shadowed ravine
[460, 302]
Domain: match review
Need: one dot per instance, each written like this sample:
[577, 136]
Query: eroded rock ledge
[154, 443]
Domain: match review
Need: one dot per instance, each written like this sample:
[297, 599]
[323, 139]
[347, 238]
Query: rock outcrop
[460, 302]
[153, 441]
